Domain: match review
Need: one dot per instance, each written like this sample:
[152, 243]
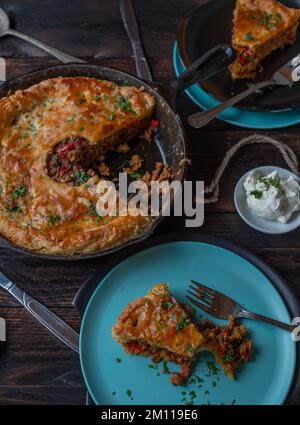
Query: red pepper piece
[242, 60]
[67, 148]
[155, 123]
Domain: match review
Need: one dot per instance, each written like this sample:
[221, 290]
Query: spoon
[6, 30]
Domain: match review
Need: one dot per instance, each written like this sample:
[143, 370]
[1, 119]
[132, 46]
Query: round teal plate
[112, 377]
[242, 118]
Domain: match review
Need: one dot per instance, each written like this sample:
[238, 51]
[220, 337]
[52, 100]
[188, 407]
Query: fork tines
[202, 296]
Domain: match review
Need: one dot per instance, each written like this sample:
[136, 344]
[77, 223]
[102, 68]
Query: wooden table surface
[34, 366]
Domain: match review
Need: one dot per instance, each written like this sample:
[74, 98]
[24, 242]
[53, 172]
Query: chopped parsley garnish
[270, 181]
[125, 105]
[81, 129]
[112, 116]
[193, 380]
[267, 20]
[129, 393]
[165, 367]
[54, 219]
[257, 194]
[31, 127]
[118, 360]
[158, 292]
[274, 182]
[206, 392]
[271, 21]
[136, 175]
[93, 211]
[97, 98]
[228, 357]
[168, 304]
[70, 119]
[152, 366]
[113, 393]
[19, 191]
[249, 36]
[81, 177]
[190, 348]
[212, 368]
[183, 323]
[192, 395]
[16, 208]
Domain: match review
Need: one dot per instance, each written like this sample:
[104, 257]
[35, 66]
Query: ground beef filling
[71, 161]
[157, 354]
[74, 160]
[231, 342]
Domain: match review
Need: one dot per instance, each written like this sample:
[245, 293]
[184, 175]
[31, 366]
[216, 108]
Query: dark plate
[211, 24]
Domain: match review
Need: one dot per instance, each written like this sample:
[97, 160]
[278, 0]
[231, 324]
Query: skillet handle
[209, 64]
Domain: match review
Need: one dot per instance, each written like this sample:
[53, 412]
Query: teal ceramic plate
[236, 116]
[112, 377]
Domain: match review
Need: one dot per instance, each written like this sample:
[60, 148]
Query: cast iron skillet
[169, 146]
[211, 24]
[104, 267]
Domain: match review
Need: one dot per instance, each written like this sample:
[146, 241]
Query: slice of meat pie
[159, 327]
[259, 28]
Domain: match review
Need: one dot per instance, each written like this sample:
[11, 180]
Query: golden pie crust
[160, 321]
[51, 217]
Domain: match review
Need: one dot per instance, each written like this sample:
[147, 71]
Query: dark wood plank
[41, 395]
[92, 28]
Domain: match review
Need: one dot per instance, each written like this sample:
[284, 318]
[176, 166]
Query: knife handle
[132, 29]
[141, 63]
[52, 322]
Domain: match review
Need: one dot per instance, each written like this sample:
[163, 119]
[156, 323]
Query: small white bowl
[261, 224]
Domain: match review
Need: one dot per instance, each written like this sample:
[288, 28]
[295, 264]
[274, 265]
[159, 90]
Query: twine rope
[287, 153]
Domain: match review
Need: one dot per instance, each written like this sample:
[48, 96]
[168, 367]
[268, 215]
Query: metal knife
[53, 323]
[132, 28]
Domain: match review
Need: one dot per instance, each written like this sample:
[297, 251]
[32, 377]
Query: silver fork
[285, 76]
[221, 306]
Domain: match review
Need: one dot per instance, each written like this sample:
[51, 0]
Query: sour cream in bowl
[268, 199]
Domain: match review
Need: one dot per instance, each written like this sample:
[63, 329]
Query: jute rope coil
[287, 153]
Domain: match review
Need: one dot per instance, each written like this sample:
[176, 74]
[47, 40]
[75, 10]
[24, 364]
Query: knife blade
[132, 29]
[52, 322]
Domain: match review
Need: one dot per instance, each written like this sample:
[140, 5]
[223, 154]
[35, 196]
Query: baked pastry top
[158, 319]
[260, 27]
[158, 326]
[50, 135]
